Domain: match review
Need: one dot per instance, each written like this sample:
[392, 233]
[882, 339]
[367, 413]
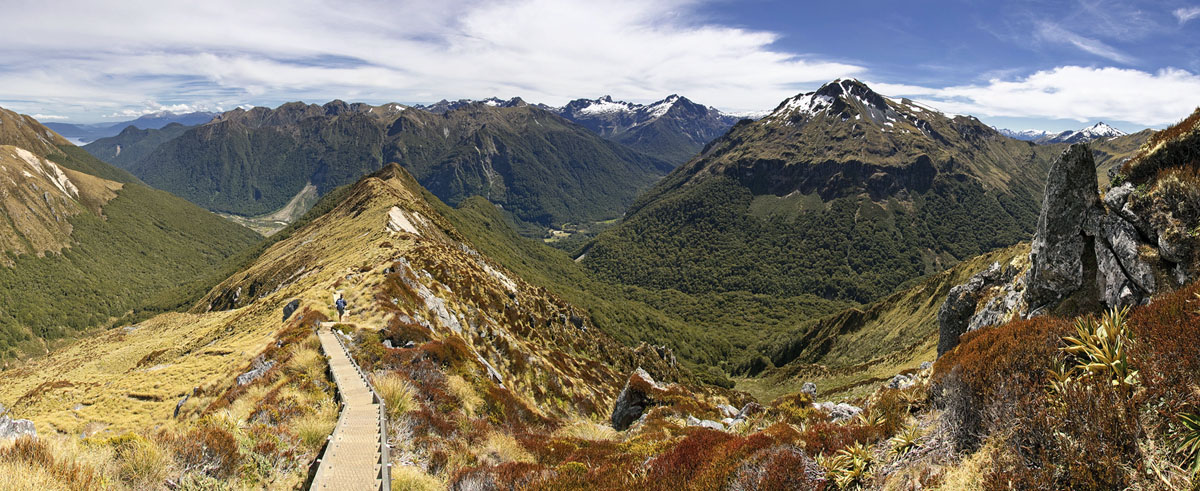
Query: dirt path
[352, 460]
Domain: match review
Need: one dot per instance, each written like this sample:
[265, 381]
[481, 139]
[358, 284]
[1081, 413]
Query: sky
[1013, 64]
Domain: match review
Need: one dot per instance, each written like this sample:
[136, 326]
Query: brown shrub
[826, 438]
[1167, 340]
[210, 450]
[781, 467]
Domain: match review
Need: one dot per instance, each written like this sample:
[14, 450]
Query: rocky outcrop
[838, 411]
[961, 312]
[14, 428]
[260, 369]
[290, 309]
[1070, 202]
[1087, 254]
[635, 398]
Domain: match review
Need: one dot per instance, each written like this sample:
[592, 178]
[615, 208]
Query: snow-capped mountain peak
[1100, 130]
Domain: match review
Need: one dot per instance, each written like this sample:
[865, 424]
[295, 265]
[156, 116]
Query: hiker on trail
[341, 307]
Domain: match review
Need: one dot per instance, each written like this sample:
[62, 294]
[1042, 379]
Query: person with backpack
[341, 306]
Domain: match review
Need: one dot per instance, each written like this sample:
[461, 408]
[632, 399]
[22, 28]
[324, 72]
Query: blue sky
[1054, 66]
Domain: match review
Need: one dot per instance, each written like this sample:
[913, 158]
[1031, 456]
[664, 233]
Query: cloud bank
[116, 56]
[125, 59]
[1071, 92]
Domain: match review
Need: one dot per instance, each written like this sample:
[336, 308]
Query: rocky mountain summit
[673, 129]
[1098, 131]
[1092, 252]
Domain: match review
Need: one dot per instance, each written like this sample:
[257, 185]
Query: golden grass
[143, 463]
[968, 475]
[587, 430]
[501, 447]
[19, 476]
[410, 478]
[314, 426]
[396, 392]
[465, 393]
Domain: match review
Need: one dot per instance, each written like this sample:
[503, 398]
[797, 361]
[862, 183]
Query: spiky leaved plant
[1102, 347]
[850, 467]
[906, 440]
[871, 417]
[1189, 440]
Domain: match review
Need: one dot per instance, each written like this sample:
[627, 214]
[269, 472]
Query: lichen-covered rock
[260, 368]
[1071, 199]
[809, 388]
[16, 428]
[750, 409]
[958, 313]
[901, 381]
[635, 398]
[839, 411]
[1124, 278]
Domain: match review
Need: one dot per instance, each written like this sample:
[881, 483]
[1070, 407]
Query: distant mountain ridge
[540, 167]
[1094, 132]
[674, 129]
[90, 132]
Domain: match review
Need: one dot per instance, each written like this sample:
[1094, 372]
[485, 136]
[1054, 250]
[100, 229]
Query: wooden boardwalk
[356, 456]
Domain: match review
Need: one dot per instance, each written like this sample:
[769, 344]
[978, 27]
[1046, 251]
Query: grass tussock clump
[396, 392]
[410, 478]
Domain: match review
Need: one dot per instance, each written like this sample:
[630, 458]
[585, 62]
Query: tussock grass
[410, 478]
[587, 430]
[314, 426]
[397, 393]
[308, 360]
[501, 447]
[21, 476]
[465, 393]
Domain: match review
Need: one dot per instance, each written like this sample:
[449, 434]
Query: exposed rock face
[634, 399]
[14, 428]
[961, 311]
[290, 309]
[1080, 240]
[809, 388]
[1071, 201]
[839, 411]
[260, 368]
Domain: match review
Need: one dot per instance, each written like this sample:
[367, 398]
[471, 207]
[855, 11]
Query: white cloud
[48, 117]
[154, 107]
[1057, 34]
[1071, 92]
[1186, 13]
[228, 52]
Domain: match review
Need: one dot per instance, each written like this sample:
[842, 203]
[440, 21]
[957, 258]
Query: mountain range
[1094, 132]
[894, 190]
[83, 133]
[531, 160]
[541, 168]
